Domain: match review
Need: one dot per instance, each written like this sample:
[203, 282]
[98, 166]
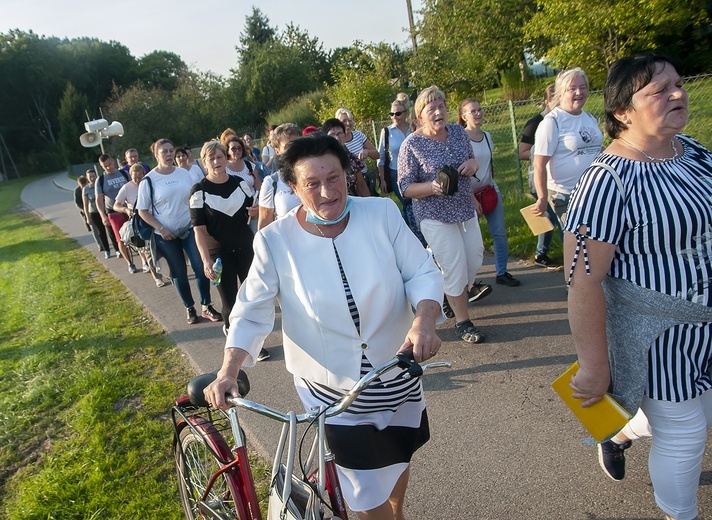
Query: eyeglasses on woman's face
[396, 114]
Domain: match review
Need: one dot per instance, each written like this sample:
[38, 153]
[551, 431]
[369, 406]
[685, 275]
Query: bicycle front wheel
[196, 465]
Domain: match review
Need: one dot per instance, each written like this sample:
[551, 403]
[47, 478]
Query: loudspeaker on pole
[90, 139]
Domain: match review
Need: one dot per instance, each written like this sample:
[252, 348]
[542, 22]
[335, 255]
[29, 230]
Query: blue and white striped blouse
[662, 227]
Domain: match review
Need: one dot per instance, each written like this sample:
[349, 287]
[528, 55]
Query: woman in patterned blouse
[448, 222]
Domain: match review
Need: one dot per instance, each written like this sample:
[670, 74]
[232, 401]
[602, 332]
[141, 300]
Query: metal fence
[505, 122]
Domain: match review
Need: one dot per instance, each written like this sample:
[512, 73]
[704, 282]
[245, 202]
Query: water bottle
[217, 269]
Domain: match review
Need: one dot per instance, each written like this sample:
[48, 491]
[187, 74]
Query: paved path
[503, 446]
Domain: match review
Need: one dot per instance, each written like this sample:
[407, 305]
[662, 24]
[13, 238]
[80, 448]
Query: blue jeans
[172, 251]
[495, 222]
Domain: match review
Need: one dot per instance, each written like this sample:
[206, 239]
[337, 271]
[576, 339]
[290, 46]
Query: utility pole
[412, 28]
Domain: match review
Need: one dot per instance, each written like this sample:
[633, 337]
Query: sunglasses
[396, 114]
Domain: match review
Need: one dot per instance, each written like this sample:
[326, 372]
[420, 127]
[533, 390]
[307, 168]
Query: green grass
[86, 382]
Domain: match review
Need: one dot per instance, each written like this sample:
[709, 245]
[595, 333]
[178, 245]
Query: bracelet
[160, 229]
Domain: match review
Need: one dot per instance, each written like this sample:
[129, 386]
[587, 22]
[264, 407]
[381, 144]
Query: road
[503, 445]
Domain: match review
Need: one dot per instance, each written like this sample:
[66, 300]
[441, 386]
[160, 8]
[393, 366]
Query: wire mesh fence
[505, 122]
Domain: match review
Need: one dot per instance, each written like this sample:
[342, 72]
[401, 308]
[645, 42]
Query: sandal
[468, 333]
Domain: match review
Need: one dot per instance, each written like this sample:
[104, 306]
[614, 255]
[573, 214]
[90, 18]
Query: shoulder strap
[101, 181]
[249, 165]
[125, 175]
[150, 193]
[387, 148]
[614, 174]
[489, 145]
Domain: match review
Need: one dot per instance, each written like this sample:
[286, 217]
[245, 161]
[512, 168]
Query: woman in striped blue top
[639, 240]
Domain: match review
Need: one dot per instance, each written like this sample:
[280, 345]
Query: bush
[301, 111]
[514, 88]
[42, 161]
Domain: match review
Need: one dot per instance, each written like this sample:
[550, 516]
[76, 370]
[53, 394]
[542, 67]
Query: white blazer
[389, 273]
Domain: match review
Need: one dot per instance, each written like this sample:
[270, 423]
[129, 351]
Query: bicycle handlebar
[402, 360]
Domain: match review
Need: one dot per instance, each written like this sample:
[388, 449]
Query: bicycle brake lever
[406, 361]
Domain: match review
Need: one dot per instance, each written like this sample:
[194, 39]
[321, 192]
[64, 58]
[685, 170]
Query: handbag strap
[614, 175]
[387, 149]
[486, 134]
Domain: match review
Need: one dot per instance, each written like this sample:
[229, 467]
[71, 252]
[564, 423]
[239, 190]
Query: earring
[627, 121]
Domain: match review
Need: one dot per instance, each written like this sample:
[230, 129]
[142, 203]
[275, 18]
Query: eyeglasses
[475, 111]
[337, 135]
[396, 114]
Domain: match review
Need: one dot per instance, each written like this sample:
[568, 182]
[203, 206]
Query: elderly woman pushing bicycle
[355, 286]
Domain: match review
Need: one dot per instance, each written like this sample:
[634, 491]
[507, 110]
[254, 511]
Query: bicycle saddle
[198, 384]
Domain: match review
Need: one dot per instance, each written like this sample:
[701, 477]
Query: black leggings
[236, 264]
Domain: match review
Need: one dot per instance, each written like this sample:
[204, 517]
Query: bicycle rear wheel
[196, 465]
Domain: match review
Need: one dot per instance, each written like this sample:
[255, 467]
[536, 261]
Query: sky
[204, 34]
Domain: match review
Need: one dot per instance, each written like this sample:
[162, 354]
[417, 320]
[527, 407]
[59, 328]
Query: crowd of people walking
[359, 277]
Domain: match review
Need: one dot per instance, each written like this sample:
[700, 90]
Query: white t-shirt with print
[572, 142]
[170, 198]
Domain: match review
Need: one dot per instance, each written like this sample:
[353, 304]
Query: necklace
[319, 230]
[322, 233]
[650, 158]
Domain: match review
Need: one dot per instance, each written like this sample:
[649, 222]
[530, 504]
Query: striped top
[379, 397]
[662, 227]
[355, 145]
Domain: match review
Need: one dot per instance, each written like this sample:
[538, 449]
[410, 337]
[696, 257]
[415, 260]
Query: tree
[281, 68]
[71, 125]
[593, 35]
[147, 114]
[463, 44]
[161, 69]
[366, 79]
[94, 67]
[31, 84]
[257, 33]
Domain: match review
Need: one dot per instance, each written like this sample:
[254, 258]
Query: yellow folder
[602, 420]
[538, 224]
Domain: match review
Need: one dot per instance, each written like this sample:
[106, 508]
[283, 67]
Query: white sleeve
[121, 196]
[422, 278]
[267, 192]
[252, 316]
[546, 138]
[144, 198]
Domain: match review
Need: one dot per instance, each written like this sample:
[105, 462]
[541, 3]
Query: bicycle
[215, 481]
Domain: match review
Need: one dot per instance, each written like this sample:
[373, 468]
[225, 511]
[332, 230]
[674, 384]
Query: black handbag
[448, 178]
